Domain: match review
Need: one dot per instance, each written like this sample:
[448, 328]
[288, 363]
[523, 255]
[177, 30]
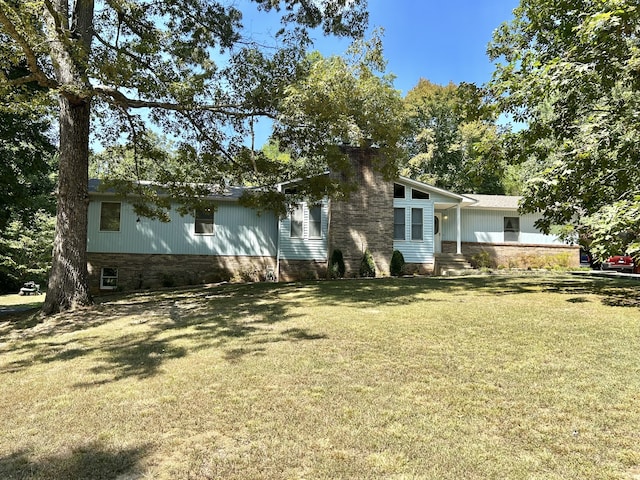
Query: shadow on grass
[399, 291]
[89, 462]
[175, 323]
[163, 326]
[134, 356]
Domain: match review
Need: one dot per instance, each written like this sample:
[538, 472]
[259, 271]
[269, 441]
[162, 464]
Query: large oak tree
[191, 69]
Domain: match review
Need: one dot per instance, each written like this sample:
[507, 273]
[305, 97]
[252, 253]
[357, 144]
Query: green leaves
[572, 73]
[335, 102]
[454, 142]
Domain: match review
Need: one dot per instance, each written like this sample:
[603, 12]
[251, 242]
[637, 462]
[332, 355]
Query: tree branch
[37, 74]
[230, 110]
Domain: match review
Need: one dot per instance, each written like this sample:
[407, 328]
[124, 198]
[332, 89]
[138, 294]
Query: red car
[621, 263]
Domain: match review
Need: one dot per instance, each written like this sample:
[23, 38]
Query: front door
[437, 235]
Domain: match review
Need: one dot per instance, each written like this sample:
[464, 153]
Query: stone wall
[365, 220]
[514, 255]
[138, 271]
[291, 270]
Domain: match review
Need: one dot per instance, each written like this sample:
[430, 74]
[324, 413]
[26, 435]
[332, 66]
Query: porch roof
[495, 202]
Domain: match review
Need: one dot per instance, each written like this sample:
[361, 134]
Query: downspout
[278, 251]
[458, 231]
[328, 237]
[278, 220]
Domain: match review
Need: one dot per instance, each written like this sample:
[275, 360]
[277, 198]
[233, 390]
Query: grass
[519, 377]
[20, 302]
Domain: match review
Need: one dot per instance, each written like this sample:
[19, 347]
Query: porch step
[447, 264]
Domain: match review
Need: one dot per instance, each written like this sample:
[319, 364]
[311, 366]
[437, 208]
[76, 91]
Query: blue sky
[440, 40]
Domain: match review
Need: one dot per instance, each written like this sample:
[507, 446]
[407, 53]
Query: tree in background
[25, 250]
[570, 72]
[193, 71]
[454, 141]
[337, 101]
[28, 205]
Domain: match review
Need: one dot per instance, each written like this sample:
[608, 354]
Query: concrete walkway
[607, 274]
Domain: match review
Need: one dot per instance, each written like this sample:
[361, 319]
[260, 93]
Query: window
[110, 217]
[315, 222]
[511, 229]
[418, 195]
[297, 222]
[398, 191]
[436, 225]
[416, 224]
[398, 224]
[204, 222]
[108, 278]
[306, 222]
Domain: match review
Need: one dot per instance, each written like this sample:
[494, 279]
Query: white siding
[416, 251]
[487, 226]
[237, 231]
[304, 248]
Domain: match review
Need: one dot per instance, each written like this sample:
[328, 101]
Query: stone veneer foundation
[507, 255]
[291, 270]
[140, 271]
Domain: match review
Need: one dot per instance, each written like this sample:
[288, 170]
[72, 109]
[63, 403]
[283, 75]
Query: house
[232, 241]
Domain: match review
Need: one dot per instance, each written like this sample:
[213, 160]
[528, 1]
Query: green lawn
[20, 302]
[505, 377]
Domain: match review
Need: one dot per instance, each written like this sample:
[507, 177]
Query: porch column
[458, 231]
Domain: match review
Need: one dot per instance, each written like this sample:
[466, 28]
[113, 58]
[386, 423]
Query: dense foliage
[336, 264]
[191, 69]
[367, 265]
[454, 141]
[27, 163]
[396, 266]
[26, 196]
[25, 251]
[570, 71]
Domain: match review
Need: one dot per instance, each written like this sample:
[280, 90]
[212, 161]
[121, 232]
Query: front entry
[437, 235]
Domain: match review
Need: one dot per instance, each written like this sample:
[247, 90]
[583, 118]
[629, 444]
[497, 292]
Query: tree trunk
[69, 278]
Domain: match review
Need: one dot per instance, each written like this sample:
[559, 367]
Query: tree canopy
[28, 206]
[570, 71]
[188, 68]
[454, 140]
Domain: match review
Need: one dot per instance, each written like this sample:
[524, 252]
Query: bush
[336, 265]
[397, 263]
[168, 281]
[481, 260]
[367, 265]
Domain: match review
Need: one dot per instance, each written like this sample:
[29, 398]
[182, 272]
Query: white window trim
[306, 222]
[404, 210]
[213, 224]
[119, 218]
[505, 232]
[103, 277]
[417, 240]
[308, 216]
[297, 207]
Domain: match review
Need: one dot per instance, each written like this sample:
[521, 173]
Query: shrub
[367, 265]
[168, 280]
[481, 260]
[336, 265]
[397, 263]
